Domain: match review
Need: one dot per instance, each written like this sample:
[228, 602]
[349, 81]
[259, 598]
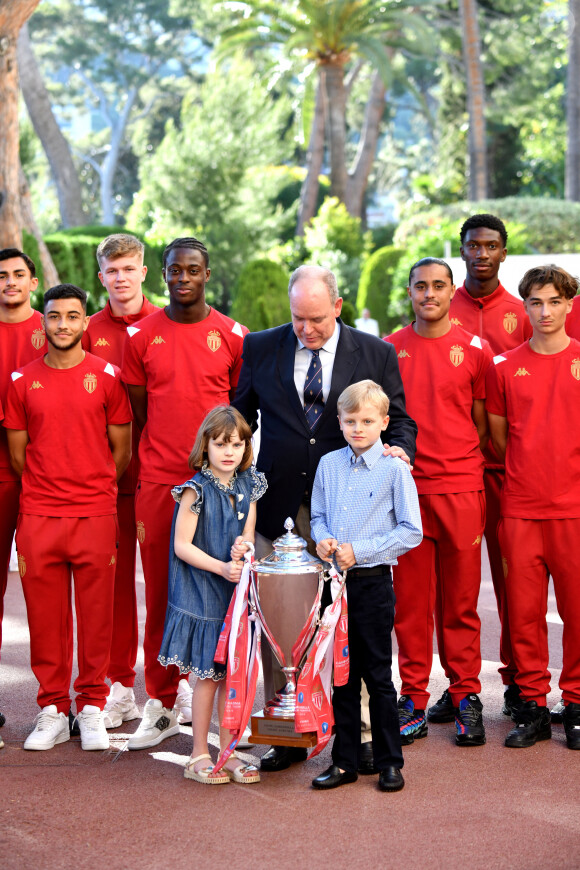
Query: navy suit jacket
[289, 452]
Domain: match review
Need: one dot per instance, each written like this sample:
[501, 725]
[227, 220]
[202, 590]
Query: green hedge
[551, 225]
[377, 292]
[74, 254]
[260, 298]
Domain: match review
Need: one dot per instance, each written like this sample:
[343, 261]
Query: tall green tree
[103, 57]
[211, 175]
[330, 39]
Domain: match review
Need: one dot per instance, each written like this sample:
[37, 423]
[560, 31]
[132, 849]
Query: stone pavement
[482, 808]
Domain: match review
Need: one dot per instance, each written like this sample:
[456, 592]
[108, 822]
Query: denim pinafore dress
[198, 600]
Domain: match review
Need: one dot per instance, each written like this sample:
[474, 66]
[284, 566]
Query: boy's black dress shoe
[332, 778]
[391, 779]
[281, 757]
[366, 764]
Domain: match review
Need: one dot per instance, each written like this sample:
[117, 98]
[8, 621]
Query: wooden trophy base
[272, 731]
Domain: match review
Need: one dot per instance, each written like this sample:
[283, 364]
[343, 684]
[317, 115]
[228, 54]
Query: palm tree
[334, 38]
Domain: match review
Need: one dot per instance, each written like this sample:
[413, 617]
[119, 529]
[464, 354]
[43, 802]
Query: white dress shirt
[302, 363]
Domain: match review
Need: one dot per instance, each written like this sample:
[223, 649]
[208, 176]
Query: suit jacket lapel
[286, 357]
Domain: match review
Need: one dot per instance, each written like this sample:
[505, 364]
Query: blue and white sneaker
[412, 722]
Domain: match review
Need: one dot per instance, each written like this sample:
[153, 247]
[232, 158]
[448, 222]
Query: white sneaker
[51, 728]
[158, 722]
[120, 706]
[182, 707]
[92, 727]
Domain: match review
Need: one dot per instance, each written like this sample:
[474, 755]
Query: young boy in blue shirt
[364, 514]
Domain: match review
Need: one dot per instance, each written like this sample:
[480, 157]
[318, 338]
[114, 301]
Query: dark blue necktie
[313, 399]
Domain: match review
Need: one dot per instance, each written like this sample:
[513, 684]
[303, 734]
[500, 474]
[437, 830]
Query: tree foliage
[260, 298]
[211, 177]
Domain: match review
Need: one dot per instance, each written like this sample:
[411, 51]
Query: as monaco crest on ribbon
[456, 355]
[90, 382]
[510, 322]
[575, 368]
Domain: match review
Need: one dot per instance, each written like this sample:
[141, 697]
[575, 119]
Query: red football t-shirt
[20, 343]
[442, 376]
[500, 318]
[105, 337]
[539, 394]
[69, 470]
[188, 369]
[573, 320]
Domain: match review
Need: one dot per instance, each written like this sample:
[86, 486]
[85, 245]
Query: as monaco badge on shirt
[90, 382]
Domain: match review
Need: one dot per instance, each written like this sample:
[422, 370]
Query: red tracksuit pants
[493, 480]
[154, 506]
[125, 623]
[533, 550]
[9, 499]
[443, 572]
[49, 549]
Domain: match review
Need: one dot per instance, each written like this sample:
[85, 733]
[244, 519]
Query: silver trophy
[287, 587]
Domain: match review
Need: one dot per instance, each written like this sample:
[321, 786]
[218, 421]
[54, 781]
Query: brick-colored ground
[480, 808]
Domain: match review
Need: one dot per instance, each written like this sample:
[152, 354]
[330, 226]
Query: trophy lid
[290, 556]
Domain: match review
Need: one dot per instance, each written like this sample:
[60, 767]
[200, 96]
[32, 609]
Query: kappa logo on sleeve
[38, 338]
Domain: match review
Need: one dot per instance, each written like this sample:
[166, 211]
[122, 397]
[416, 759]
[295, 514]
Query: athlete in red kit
[534, 397]
[21, 340]
[443, 370]
[122, 273]
[484, 307]
[179, 363]
[69, 435]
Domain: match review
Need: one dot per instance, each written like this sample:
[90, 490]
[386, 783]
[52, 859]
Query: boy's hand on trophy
[326, 548]
[345, 558]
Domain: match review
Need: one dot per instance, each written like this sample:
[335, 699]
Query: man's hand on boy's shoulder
[398, 452]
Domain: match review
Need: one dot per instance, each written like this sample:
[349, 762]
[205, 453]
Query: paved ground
[480, 808]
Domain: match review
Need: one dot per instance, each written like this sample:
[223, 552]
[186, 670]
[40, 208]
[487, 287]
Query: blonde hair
[223, 420]
[363, 393]
[119, 245]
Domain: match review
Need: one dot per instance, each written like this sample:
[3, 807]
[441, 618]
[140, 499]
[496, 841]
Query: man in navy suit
[298, 427]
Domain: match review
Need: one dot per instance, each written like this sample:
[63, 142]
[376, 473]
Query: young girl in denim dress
[216, 515]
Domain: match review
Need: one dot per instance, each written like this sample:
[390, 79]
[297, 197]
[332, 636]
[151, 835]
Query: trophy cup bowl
[287, 586]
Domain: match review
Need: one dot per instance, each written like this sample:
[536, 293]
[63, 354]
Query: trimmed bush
[260, 298]
[551, 225]
[378, 293]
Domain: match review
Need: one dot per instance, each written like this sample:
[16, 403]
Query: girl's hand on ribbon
[232, 571]
[239, 547]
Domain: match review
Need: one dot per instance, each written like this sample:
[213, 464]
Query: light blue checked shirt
[370, 502]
